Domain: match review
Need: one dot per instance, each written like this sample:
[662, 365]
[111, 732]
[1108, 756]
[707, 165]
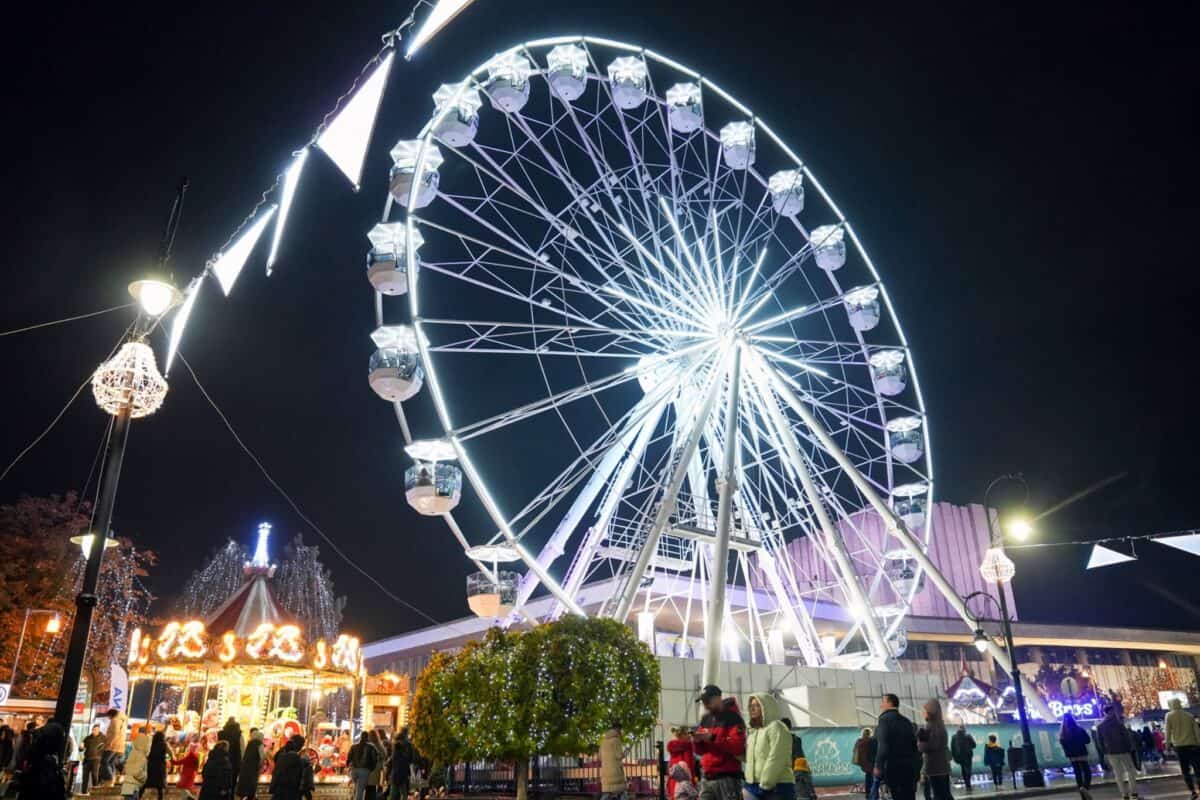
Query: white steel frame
[620, 252]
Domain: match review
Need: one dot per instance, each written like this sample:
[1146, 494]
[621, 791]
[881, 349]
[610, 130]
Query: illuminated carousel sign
[282, 645]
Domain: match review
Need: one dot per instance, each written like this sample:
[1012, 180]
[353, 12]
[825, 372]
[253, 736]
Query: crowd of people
[904, 756]
[37, 763]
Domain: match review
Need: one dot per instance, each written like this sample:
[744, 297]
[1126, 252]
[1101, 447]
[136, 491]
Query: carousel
[249, 662]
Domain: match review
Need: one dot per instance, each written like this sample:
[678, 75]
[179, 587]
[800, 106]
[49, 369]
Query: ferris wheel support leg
[837, 547]
[670, 496]
[726, 485]
[896, 527]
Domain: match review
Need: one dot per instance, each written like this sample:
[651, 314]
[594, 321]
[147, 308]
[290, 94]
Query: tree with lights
[212, 584]
[306, 591]
[552, 691]
[40, 569]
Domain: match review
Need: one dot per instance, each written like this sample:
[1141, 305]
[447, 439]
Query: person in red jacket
[720, 742]
[189, 765]
[682, 751]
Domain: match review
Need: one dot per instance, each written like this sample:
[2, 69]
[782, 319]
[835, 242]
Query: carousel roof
[254, 603]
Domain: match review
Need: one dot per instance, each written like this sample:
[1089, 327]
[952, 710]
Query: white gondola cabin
[684, 109]
[887, 371]
[461, 121]
[508, 82]
[490, 598]
[627, 76]
[829, 246]
[387, 262]
[862, 307]
[404, 169]
[737, 145]
[433, 487]
[567, 66]
[909, 501]
[395, 368]
[905, 440]
[787, 192]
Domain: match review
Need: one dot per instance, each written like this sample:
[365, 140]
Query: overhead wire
[27, 328]
[299, 512]
[1107, 540]
[63, 410]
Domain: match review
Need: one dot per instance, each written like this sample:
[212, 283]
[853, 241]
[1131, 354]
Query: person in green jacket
[768, 767]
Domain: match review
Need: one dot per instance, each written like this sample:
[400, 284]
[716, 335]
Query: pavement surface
[1159, 782]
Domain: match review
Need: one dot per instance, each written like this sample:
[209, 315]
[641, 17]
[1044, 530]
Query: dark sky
[1024, 176]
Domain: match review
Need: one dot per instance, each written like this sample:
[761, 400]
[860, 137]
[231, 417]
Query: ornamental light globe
[85, 543]
[997, 567]
[54, 625]
[980, 641]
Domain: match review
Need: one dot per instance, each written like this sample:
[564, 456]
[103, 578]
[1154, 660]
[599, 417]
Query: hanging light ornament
[131, 376]
[997, 567]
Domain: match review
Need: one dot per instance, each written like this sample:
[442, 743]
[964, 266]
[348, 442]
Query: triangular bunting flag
[345, 140]
[1105, 557]
[228, 265]
[290, 179]
[1188, 542]
[442, 13]
[181, 319]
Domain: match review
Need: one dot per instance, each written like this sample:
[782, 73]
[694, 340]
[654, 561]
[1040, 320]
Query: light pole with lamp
[999, 569]
[53, 625]
[128, 386]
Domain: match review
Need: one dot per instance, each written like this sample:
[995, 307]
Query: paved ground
[1160, 783]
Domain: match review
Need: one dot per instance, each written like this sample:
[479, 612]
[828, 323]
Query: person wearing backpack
[361, 761]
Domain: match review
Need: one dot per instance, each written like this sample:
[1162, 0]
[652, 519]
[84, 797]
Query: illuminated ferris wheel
[659, 355]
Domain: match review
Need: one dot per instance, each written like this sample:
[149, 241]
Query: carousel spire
[262, 560]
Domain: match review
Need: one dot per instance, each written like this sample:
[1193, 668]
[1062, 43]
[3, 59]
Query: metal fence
[553, 776]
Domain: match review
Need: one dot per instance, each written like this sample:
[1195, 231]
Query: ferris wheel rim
[426, 138]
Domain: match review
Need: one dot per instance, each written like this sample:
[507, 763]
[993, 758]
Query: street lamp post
[128, 386]
[1002, 572]
[53, 625]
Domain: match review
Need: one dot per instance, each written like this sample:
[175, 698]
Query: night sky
[1024, 177]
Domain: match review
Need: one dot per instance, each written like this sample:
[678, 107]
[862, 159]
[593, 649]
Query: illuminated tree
[212, 584]
[306, 591]
[552, 691]
[41, 569]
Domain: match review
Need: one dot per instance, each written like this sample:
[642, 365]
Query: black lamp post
[1031, 774]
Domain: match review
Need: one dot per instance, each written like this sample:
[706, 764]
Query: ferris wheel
[660, 357]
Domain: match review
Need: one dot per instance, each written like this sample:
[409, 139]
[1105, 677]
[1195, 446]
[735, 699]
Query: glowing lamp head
[980, 641]
[155, 297]
[85, 543]
[1019, 528]
[54, 625]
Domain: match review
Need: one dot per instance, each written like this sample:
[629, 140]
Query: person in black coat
[217, 776]
[251, 766]
[43, 777]
[232, 733]
[404, 755]
[292, 777]
[896, 758]
[156, 765]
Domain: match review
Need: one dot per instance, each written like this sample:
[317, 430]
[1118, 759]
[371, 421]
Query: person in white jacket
[135, 767]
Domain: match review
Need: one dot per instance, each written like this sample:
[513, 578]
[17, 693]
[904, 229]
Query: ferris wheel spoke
[524, 254]
[477, 336]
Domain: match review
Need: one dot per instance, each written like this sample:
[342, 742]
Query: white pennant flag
[440, 17]
[1105, 557]
[290, 180]
[181, 319]
[228, 265]
[1188, 542]
[345, 140]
